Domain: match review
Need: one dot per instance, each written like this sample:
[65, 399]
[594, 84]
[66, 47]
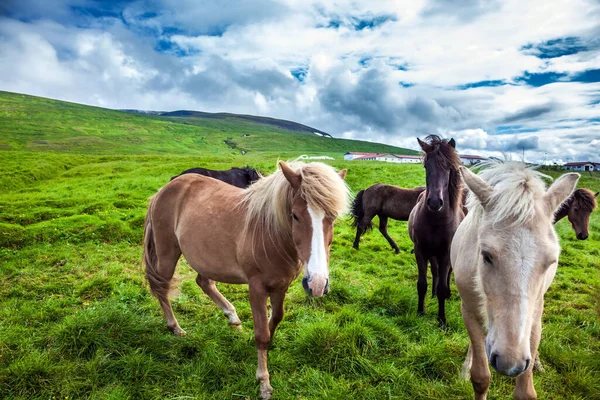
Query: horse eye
[487, 258]
[295, 217]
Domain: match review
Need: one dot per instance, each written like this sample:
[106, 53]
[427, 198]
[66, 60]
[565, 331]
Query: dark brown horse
[240, 177]
[263, 236]
[434, 219]
[385, 201]
[578, 208]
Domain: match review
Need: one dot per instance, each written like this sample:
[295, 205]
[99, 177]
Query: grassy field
[77, 320]
[40, 124]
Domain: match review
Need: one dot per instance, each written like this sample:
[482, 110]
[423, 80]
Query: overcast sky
[497, 75]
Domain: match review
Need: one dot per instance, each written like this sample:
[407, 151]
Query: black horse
[240, 177]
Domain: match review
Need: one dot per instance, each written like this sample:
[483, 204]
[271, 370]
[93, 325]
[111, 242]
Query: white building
[582, 166]
[386, 157]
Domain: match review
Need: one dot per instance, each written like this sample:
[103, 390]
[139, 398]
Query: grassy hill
[39, 124]
[77, 320]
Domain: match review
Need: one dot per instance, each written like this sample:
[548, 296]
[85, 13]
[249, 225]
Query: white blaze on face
[317, 263]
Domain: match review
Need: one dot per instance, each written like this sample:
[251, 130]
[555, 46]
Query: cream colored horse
[504, 256]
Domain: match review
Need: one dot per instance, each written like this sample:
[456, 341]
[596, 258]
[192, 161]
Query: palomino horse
[240, 177]
[578, 208]
[504, 255]
[385, 201]
[434, 219]
[263, 236]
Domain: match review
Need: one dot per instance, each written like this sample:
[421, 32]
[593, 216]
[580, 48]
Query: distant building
[387, 157]
[582, 166]
[467, 159]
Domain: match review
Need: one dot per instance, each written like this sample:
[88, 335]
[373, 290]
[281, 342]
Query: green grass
[77, 319]
[40, 124]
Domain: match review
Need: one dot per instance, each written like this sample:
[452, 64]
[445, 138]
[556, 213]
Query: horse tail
[159, 286]
[357, 210]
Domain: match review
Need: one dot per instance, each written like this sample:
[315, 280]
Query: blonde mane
[268, 201]
[516, 190]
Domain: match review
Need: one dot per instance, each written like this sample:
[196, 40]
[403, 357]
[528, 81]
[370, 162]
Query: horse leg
[277, 299]
[262, 335]
[165, 268]
[476, 357]
[359, 232]
[362, 227]
[524, 388]
[422, 282]
[435, 274]
[443, 291]
[209, 287]
[383, 220]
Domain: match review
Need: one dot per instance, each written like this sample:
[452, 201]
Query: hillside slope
[40, 124]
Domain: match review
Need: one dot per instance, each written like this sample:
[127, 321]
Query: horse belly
[214, 261]
[207, 232]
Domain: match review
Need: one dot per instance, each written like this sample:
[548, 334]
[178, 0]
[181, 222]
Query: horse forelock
[585, 199]
[517, 189]
[445, 155]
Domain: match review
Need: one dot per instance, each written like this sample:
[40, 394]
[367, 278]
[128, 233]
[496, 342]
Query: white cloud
[402, 74]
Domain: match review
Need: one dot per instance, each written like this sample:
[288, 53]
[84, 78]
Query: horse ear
[342, 174]
[452, 143]
[559, 191]
[426, 148]
[478, 186]
[597, 193]
[292, 177]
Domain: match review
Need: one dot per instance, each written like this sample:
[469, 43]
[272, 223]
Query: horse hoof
[397, 251]
[421, 313]
[537, 366]
[266, 390]
[177, 331]
[237, 327]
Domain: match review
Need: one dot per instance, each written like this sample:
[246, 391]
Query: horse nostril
[326, 290]
[527, 362]
[305, 286]
[494, 360]
[441, 203]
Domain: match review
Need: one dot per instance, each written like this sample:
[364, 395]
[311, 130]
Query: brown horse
[262, 236]
[505, 255]
[385, 201]
[578, 208]
[434, 219]
[240, 177]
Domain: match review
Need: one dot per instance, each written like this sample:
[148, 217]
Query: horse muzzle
[582, 235]
[315, 286]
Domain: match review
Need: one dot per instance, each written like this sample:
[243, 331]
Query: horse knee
[481, 384]
[262, 340]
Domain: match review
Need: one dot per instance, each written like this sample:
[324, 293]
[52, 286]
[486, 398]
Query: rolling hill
[40, 124]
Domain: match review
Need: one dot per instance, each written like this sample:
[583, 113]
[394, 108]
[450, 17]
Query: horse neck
[563, 211]
[455, 191]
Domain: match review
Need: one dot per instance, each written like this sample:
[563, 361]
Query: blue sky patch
[487, 83]
[538, 79]
[555, 47]
[299, 73]
[373, 22]
[360, 23]
[514, 129]
[589, 76]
